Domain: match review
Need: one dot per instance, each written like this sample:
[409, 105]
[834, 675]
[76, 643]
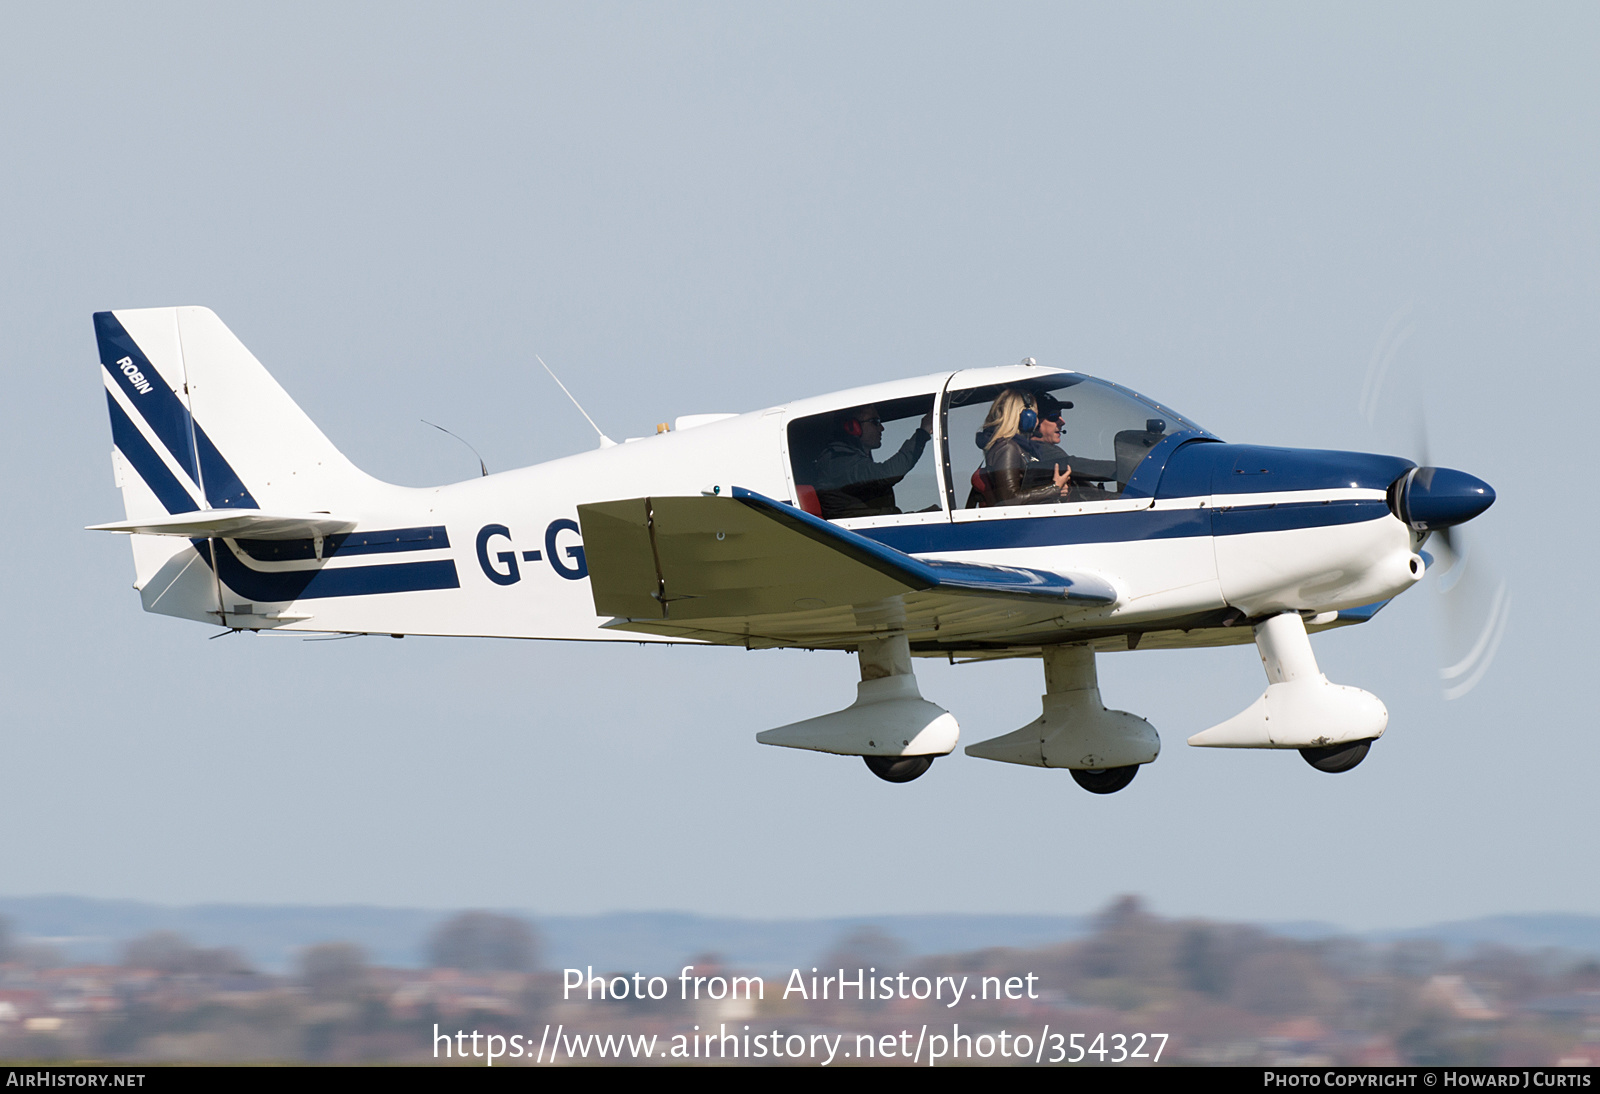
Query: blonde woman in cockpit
[1007, 456]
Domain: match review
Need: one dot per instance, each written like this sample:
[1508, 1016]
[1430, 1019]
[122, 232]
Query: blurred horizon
[91, 930]
[1208, 992]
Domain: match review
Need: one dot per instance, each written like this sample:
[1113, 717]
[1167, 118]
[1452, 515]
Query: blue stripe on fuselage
[282, 586]
[1245, 519]
[287, 585]
[1043, 531]
[1141, 524]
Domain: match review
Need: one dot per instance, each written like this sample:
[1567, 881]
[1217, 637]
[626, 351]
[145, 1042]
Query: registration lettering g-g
[501, 565]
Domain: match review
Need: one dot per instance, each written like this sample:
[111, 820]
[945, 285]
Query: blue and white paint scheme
[1157, 535]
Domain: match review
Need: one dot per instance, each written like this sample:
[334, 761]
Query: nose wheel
[898, 769]
[1105, 781]
[1337, 758]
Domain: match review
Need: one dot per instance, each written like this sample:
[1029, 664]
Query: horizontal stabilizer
[234, 523]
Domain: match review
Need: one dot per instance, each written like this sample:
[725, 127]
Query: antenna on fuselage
[605, 442]
[481, 465]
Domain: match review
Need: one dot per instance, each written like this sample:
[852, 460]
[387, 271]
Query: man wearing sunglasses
[849, 482]
[1044, 446]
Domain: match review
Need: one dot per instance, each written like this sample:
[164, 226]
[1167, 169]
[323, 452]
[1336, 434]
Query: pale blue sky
[691, 208]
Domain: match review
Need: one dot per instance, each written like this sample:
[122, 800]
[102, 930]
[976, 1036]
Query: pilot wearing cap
[1044, 445]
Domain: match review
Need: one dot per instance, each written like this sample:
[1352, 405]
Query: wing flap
[688, 558]
[747, 567]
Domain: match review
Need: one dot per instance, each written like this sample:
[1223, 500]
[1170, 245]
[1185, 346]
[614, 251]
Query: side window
[866, 461]
[1068, 439]
[993, 449]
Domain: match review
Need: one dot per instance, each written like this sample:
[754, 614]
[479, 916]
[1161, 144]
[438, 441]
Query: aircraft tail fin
[203, 426]
[200, 427]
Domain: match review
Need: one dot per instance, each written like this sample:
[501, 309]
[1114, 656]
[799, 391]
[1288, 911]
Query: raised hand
[1063, 478]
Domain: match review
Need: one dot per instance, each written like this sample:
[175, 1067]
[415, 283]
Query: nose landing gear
[1336, 758]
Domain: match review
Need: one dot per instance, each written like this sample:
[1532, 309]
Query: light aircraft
[1016, 511]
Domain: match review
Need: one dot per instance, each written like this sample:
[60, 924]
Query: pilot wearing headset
[849, 482]
[1044, 445]
[1013, 471]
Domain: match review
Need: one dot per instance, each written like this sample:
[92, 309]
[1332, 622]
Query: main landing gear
[898, 769]
[890, 725]
[1105, 781]
[1103, 748]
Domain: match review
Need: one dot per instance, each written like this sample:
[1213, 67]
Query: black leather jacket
[1012, 467]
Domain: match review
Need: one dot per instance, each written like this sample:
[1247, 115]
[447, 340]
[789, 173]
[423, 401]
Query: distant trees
[865, 946]
[1226, 993]
[1135, 959]
[1284, 979]
[483, 942]
[331, 970]
[29, 953]
[1128, 944]
[1204, 961]
[171, 953]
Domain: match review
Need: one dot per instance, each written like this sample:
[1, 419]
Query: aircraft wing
[751, 570]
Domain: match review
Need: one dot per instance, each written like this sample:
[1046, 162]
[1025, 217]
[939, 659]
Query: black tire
[898, 769]
[1106, 781]
[1337, 758]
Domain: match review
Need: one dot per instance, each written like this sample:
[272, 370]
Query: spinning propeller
[1475, 599]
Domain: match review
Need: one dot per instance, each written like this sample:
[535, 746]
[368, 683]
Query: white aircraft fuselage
[243, 514]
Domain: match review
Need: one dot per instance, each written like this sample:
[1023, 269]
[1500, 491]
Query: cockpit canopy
[1037, 438]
